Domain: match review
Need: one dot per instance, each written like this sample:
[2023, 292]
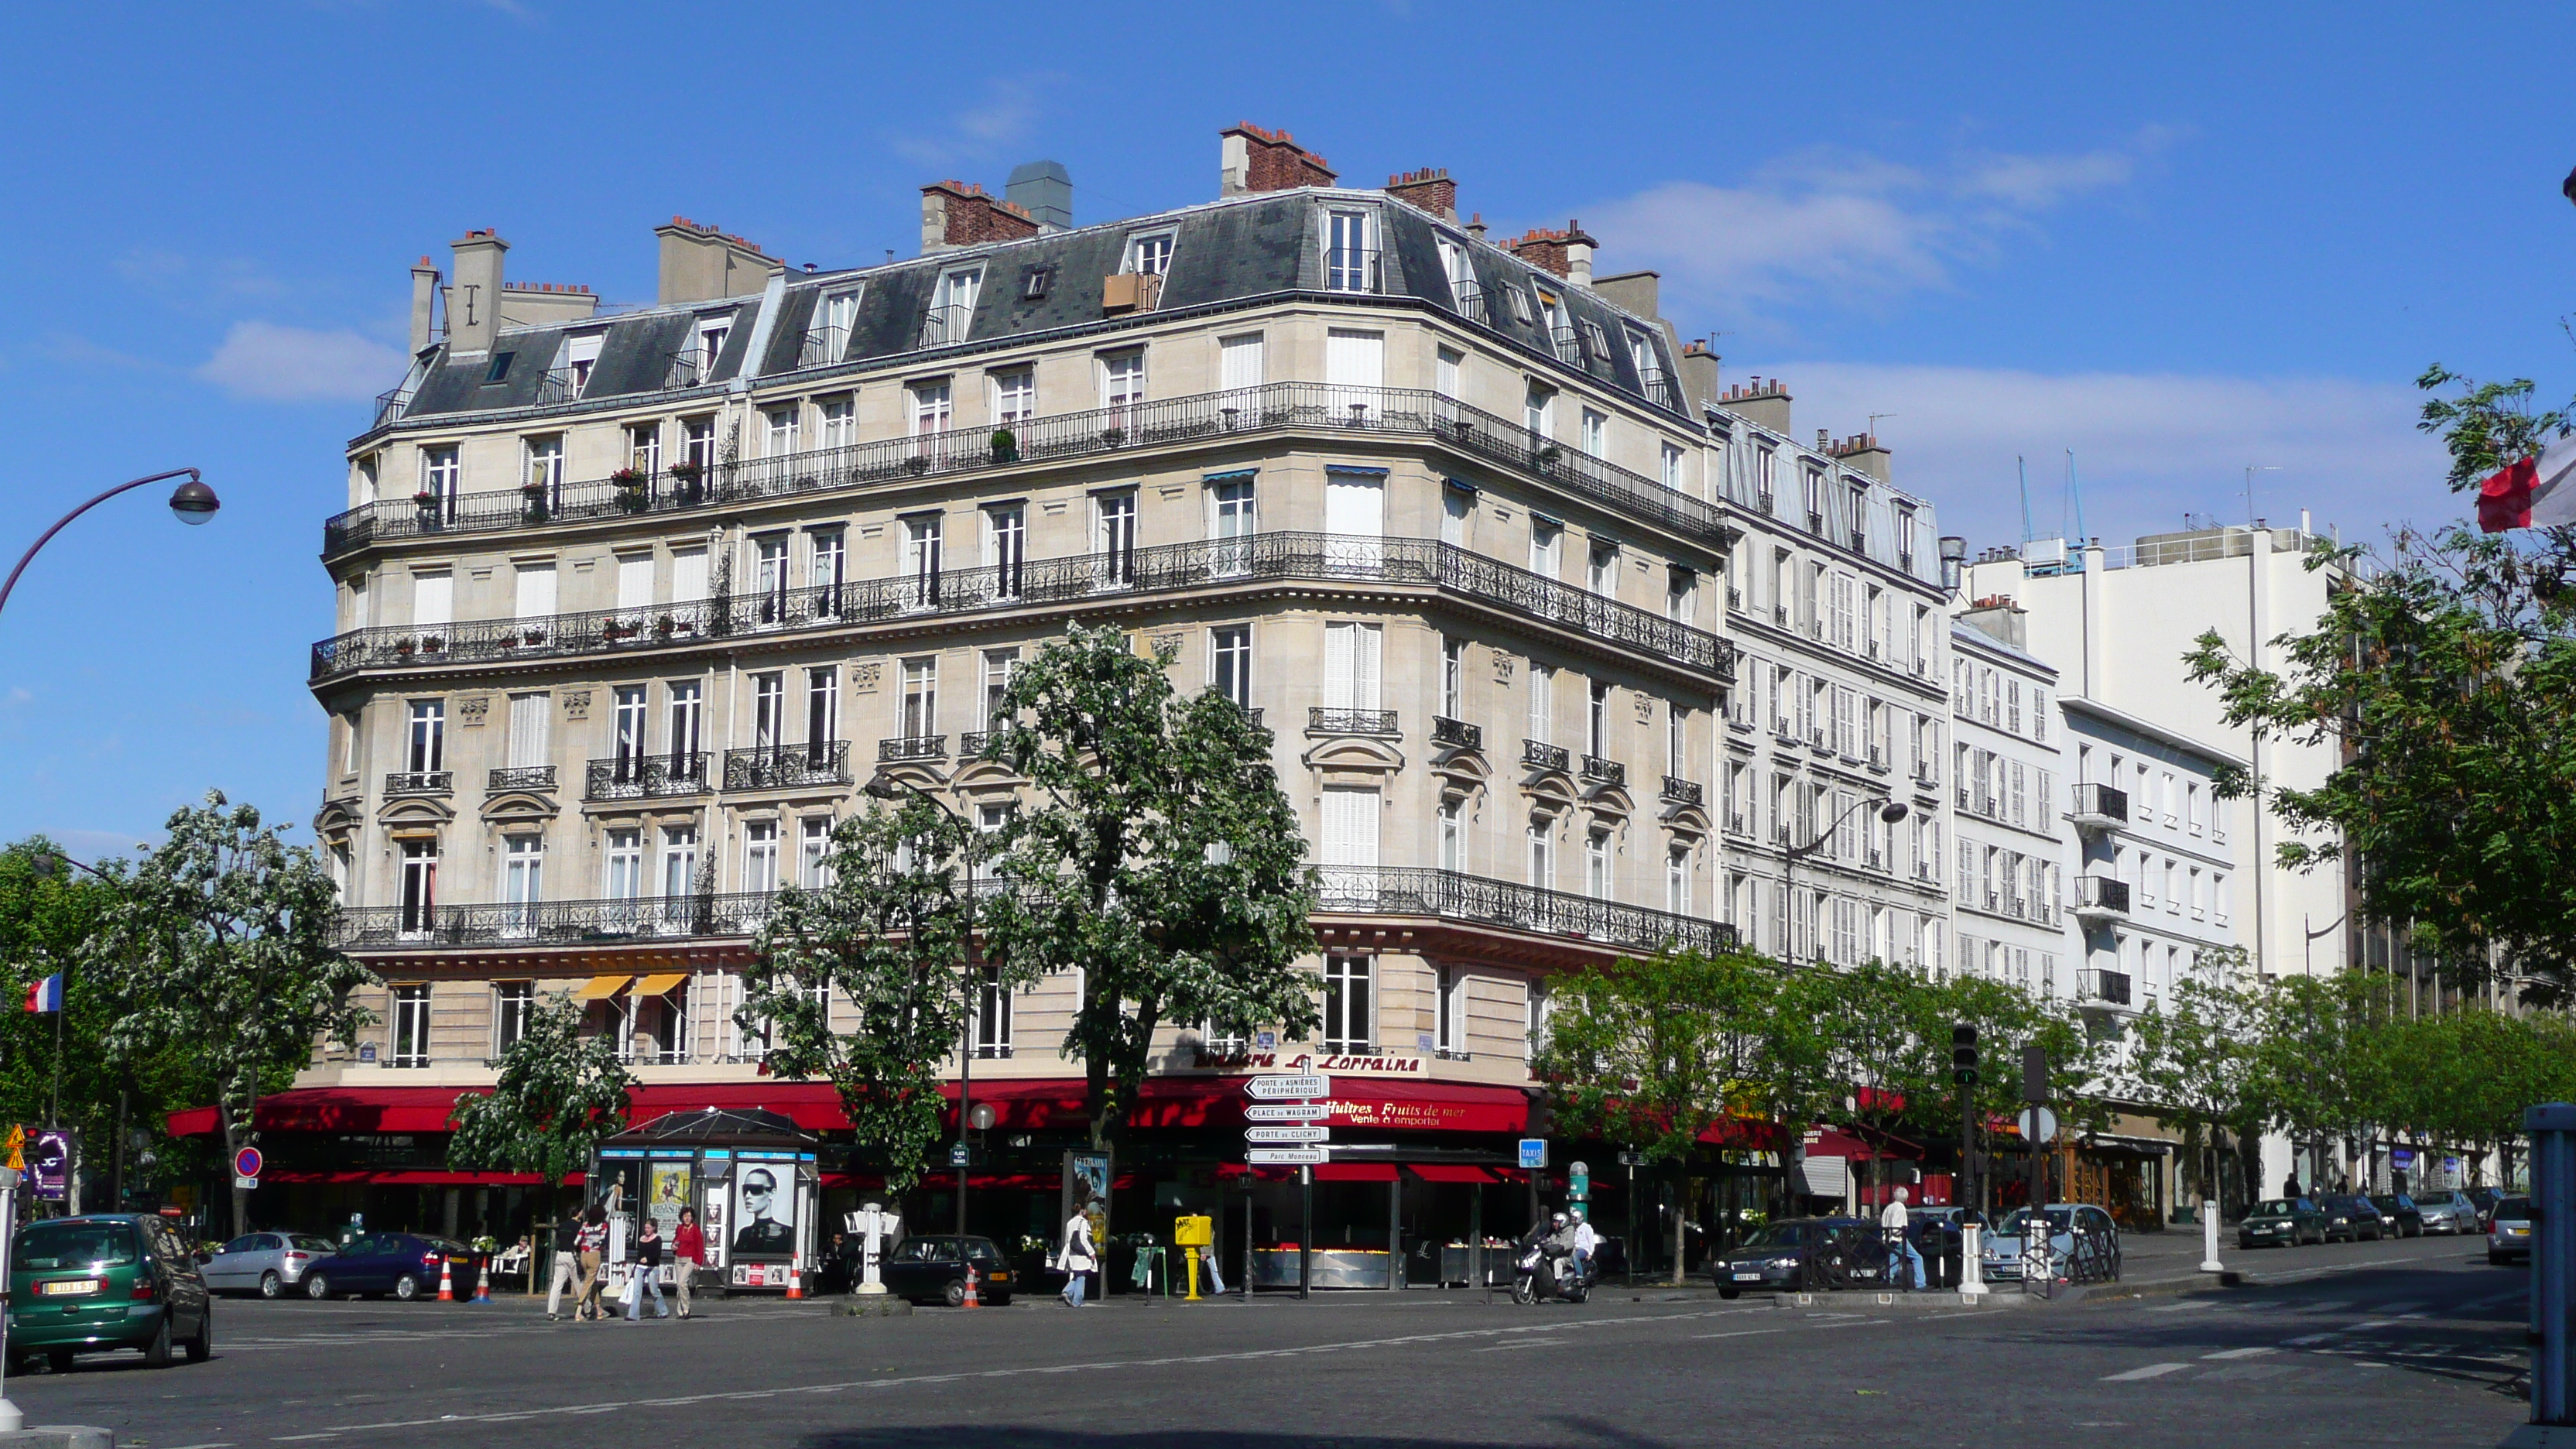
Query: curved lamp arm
[195, 481]
[1892, 810]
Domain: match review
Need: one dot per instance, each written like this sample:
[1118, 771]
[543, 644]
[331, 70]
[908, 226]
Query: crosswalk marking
[2255, 1352]
[2151, 1371]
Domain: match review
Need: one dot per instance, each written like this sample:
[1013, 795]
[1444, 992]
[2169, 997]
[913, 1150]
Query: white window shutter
[529, 716]
[536, 590]
[635, 581]
[688, 575]
[1364, 666]
[433, 598]
[1340, 665]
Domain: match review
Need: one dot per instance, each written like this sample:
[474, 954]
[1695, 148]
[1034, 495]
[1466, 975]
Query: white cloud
[1843, 226]
[1002, 116]
[290, 364]
[2148, 447]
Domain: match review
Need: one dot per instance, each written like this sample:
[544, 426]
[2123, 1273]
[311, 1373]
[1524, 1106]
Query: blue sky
[2176, 245]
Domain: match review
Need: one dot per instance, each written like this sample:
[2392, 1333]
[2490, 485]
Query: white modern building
[2008, 913]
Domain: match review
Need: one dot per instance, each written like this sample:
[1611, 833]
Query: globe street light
[191, 502]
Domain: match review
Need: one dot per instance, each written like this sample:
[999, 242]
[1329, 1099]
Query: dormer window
[952, 307]
[498, 369]
[1034, 282]
[581, 355]
[828, 338]
[1596, 345]
[1150, 253]
[1350, 252]
[1560, 332]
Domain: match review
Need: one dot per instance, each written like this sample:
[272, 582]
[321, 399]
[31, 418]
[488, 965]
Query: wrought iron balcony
[540, 778]
[1469, 299]
[2099, 807]
[941, 326]
[1353, 269]
[2111, 988]
[973, 744]
[1683, 792]
[420, 782]
[1081, 580]
[646, 777]
[2101, 896]
[1214, 416]
[1660, 390]
[1456, 733]
[1322, 721]
[1546, 757]
[1606, 772]
[553, 922]
[1567, 344]
[906, 748]
[779, 767]
[1451, 895]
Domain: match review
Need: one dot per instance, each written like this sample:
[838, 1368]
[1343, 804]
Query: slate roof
[1224, 253]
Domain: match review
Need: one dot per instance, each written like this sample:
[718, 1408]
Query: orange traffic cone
[794, 1289]
[446, 1280]
[482, 1283]
[970, 1288]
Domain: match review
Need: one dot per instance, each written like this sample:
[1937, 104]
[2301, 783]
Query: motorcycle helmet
[1558, 1219]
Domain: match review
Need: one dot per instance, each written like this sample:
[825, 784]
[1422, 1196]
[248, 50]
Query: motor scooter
[1547, 1270]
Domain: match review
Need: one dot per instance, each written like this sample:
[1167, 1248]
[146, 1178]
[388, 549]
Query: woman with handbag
[1078, 1256]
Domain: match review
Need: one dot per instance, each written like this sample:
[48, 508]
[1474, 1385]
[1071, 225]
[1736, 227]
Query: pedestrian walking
[567, 1249]
[592, 1244]
[647, 1258]
[1207, 1259]
[1078, 1256]
[1897, 1226]
[688, 1251]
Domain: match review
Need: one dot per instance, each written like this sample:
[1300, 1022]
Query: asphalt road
[2416, 1344]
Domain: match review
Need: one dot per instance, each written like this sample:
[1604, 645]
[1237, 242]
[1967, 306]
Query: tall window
[1241, 366]
[1349, 263]
[1449, 1038]
[523, 867]
[953, 308]
[1677, 741]
[441, 477]
[1672, 469]
[1538, 406]
[1349, 1019]
[922, 547]
[427, 750]
[1453, 677]
[840, 422]
[814, 852]
[1596, 865]
[1453, 834]
[627, 726]
[1547, 543]
[1005, 548]
[1542, 702]
[1150, 253]
[686, 737]
[419, 884]
[1231, 523]
[1351, 663]
[999, 666]
[781, 430]
[920, 698]
[1350, 827]
[1230, 663]
[679, 860]
[932, 409]
[993, 1013]
[1602, 574]
[822, 713]
[698, 442]
[760, 856]
[1596, 433]
[625, 865]
[1116, 538]
[1444, 372]
[1122, 383]
[513, 1004]
[411, 1026]
[1677, 893]
[1015, 396]
[769, 579]
[1596, 734]
[1542, 856]
[1457, 514]
[544, 464]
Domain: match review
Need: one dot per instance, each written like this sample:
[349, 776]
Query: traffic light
[1963, 1054]
[2034, 1074]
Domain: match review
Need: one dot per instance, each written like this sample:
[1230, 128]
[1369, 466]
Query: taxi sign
[1288, 1088]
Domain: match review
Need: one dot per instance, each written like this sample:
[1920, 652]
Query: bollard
[2209, 1237]
[446, 1280]
[1972, 1268]
[2552, 1129]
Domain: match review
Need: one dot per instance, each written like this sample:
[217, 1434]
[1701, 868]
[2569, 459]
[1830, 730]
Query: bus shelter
[752, 1175]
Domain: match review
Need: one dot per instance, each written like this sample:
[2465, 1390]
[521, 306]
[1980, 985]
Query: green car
[84, 1285]
[2282, 1222]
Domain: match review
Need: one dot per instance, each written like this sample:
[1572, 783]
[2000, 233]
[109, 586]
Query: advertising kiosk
[752, 1176]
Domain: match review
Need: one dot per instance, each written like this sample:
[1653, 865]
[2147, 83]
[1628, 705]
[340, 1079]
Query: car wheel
[270, 1285]
[316, 1287]
[202, 1347]
[954, 1295]
[1730, 1294]
[59, 1360]
[406, 1288]
[156, 1354]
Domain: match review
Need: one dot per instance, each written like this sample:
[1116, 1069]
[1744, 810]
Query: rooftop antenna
[2023, 468]
[1873, 422]
[2074, 493]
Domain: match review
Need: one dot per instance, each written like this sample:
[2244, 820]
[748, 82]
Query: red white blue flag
[46, 995]
[2534, 493]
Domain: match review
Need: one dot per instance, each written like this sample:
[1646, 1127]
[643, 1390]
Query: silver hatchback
[2447, 1210]
[265, 1263]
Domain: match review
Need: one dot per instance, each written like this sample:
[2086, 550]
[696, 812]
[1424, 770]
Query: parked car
[89, 1284]
[405, 1265]
[1937, 1236]
[2405, 1220]
[2002, 1253]
[2484, 1199]
[2282, 1222]
[928, 1269]
[2509, 1230]
[1801, 1253]
[265, 1263]
[2351, 1217]
[2446, 1210]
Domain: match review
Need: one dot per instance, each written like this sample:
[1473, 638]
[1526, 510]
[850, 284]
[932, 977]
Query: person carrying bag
[1078, 1256]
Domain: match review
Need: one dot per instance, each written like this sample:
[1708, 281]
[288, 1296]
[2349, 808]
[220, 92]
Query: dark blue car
[405, 1265]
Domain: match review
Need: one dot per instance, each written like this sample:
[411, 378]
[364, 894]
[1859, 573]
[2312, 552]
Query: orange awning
[659, 982]
[600, 988]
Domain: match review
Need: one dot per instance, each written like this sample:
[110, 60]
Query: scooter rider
[1585, 1242]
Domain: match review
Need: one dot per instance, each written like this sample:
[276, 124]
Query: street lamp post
[1891, 811]
[883, 786]
[192, 502]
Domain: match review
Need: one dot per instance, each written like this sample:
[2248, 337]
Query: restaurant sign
[1374, 1064]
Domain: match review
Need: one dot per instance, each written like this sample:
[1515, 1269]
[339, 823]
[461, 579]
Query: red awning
[1837, 1142]
[814, 1106]
[415, 1178]
[1355, 1172]
[1752, 1133]
[335, 1109]
[1448, 1172]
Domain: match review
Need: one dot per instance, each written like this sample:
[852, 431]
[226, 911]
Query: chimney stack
[424, 305]
[1699, 375]
[1251, 159]
[1476, 226]
[1568, 253]
[474, 307]
[1863, 453]
[1043, 191]
[1428, 189]
[958, 214]
[1764, 404]
[703, 264]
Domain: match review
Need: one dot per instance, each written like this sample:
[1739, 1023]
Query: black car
[1797, 1254]
[2404, 1218]
[927, 1270]
[2352, 1218]
[406, 1265]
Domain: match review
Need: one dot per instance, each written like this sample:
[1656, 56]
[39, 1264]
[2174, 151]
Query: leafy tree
[221, 943]
[1887, 1045]
[558, 1094]
[889, 934]
[1159, 858]
[2008, 1018]
[1650, 1053]
[2193, 1056]
[2316, 1059]
[2446, 687]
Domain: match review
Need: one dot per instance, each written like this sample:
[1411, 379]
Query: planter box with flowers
[1006, 449]
[686, 478]
[630, 485]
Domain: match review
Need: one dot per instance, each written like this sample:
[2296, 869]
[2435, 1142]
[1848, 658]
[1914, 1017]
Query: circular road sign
[247, 1162]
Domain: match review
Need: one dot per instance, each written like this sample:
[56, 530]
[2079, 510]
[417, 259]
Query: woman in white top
[1079, 1255]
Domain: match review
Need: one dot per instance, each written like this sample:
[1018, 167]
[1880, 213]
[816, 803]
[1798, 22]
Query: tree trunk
[1681, 1216]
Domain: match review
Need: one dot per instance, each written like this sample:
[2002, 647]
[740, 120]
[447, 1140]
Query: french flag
[2534, 493]
[46, 995]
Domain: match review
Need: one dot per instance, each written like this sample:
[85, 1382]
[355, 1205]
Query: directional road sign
[1288, 1088]
[1287, 1111]
[1287, 1134]
[1287, 1156]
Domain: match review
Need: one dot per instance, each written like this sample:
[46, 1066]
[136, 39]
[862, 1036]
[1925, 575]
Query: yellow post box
[1191, 1232]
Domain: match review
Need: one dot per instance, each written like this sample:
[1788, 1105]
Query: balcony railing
[1683, 792]
[1322, 721]
[2101, 895]
[1660, 390]
[1450, 895]
[1470, 300]
[390, 404]
[1456, 733]
[777, 767]
[941, 326]
[2102, 803]
[557, 922]
[1606, 772]
[1353, 269]
[2108, 987]
[539, 778]
[1545, 757]
[646, 777]
[1567, 345]
[1083, 578]
[1275, 407]
[972, 744]
[420, 782]
[905, 748]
